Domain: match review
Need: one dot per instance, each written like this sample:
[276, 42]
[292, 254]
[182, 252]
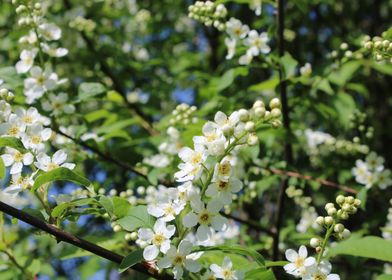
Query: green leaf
[89, 90]
[12, 142]
[132, 259]
[372, 247]
[121, 207]
[60, 174]
[60, 209]
[266, 85]
[362, 195]
[152, 176]
[10, 77]
[2, 169]
[228, 77]
[345, 73]
[137, 217]
[384, 277]
[289, 65]
[235, 250]
[260, 274]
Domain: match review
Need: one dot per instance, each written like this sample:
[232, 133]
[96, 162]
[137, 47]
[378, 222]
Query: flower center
[211, 137]
[227, 274]
[36, 139]
[13, 131]
[178, 260]
[52, 166]
[319, 276]
[222, 186]
[196, 158]
[224, 168]
[158, 239]
[204, 218]
[299, 262]
[27, 119]
[169, 210]
[18, 157]
[40, 80]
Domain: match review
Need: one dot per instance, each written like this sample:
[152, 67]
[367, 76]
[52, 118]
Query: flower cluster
[371, 172]
[38, 42]
[183, 115]
[311, 268]
[239, 34]
[83, 24]
[28, 127]
[322, 144]
[381, 48]
[189, 214]
[209, 13]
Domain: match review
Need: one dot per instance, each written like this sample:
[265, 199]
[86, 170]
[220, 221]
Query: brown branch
[61, 235]
[288, 153]
[249, 223]
[310, 178]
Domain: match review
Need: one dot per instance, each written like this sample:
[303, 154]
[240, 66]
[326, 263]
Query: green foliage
[131, 259]
[135, 218]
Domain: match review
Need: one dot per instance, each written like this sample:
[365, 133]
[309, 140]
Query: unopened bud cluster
[82, 24]
[346, 206]
[6, 95]
[183, 115]
[344, 53]
[381, 48]
[357, 121]
[209, 13]
[29, 11]
[298, 196]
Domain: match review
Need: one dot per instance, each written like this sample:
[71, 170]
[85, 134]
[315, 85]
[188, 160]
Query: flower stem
[325, 241]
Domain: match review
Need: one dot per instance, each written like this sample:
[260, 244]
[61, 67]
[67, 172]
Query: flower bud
[117, 228]
[349, 199]
[346, 207]
[275, 103]
[128, 237]
[258, 104]
[314, 242]
[357, 202]
[259, 112]
[276, 113]
[346, 233]
[369, 45]
[250, 126]
[331, 211]
[134, 235]
[338, 228]
[344, 216]
[252, 140]
[244, 115]
[328, 220]
[320, 220]
[113, 192]
[340, 199]
[329, 205]
[318, 250]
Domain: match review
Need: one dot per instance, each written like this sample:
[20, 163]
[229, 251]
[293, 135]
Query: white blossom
[226, 271]
[46, 163]
[224, 190]
[257, 43]
[58, 104]
[49, 31]
[35, 137]
[26, 61]
[16, 160]
[39, 83]
[299, 262]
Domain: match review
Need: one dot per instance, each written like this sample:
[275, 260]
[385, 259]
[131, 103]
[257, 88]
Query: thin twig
[61, 235]
[310, 178]
[250, 223]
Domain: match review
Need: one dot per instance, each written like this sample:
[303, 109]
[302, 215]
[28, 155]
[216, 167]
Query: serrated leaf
[60, 174]
[372, 247]
[137, 217]
[130, 260]
[234, 250]
[12, 142]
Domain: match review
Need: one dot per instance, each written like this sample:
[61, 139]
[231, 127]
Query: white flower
[213, 140]
[361, 172]
[222, 171]
[231, 47]
[306, 70]
[308, 216]
[208, 275]
[298, 261]
[45, 163]
[26, 61]
[245, 59]
[39, 83]
[236, 29]
[224, 190]
[58, 105]
[321, 272]
[191, 168]
[14, 127]
[257, 43]
[207, 217]
[375, 162]
[49, 31]
[224, 123]
[256, 6]
[384, 179]
[178, 259]
[167, 211]
[158, 161]
[54, 52]
[159, 238]
[16, 160]
[226, 271]
[5, 110]
[19, 183]
[35, 137]
[29, 116]
[30, 39]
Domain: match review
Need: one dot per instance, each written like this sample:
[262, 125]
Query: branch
[249, 223]
[61, 235]
[288, 153]
[310, 178]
